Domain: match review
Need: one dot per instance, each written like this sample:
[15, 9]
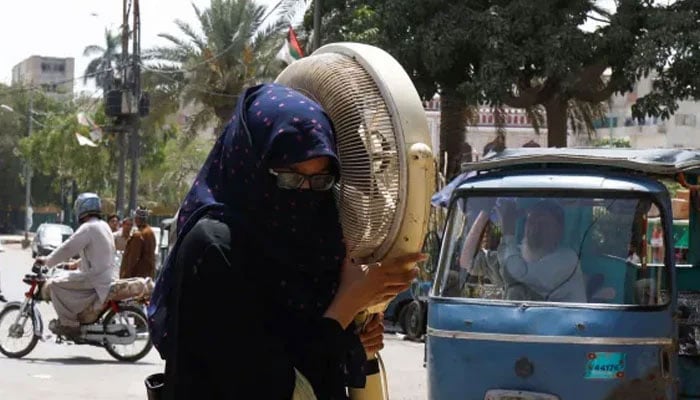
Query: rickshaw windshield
[555, 249]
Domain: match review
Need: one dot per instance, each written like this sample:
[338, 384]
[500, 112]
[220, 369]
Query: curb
[11, 241]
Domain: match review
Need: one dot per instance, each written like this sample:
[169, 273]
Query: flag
[291, 50]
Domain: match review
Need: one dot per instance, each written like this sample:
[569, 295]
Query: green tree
[344, 21]
[55, 151]
[431, 42]
[434, 43]
[12, 129]
[232, 48]
[538, 54]
[166, 182]
[671, 51]
[102, 67]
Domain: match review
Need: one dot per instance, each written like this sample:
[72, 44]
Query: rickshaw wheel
[413, 321]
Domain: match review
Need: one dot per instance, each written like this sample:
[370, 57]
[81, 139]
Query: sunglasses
[293, 180]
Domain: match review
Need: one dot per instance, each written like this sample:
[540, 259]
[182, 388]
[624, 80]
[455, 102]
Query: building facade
[681, 130]
[518, 128]
[53, 75]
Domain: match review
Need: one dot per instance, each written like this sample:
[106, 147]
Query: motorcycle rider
[87, 281]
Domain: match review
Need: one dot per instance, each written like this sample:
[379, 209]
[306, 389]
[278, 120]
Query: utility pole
[28, 179]
[121, 134]
[126, 105]
[317, 24]
[136, 97]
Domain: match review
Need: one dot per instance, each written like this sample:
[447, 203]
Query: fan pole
[317, 24]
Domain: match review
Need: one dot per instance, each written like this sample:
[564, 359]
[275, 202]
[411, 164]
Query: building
[54, 75]
[517, 125]
[681, 130]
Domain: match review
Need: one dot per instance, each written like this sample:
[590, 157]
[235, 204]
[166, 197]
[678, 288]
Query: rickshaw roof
[651, 161]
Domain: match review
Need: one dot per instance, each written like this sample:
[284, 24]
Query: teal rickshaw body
[603, 312]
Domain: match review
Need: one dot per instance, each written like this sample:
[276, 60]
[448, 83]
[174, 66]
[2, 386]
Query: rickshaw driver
[541, 269]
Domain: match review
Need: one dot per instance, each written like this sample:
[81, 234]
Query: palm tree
[231, 50]
[101, 68]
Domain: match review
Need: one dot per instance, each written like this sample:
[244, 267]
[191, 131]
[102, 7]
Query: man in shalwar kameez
[87, 281]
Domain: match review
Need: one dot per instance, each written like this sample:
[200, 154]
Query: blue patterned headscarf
[296, 232]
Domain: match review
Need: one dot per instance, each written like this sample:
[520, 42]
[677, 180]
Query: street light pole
[28, 179]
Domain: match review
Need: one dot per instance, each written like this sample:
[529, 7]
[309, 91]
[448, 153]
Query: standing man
[140, 254]
[123, 235]
[113, 221]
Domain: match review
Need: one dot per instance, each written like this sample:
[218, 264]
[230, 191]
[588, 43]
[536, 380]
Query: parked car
[48, 237]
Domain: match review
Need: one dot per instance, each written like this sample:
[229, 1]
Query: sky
[63, 28]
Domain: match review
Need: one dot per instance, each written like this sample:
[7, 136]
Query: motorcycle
[120, 325]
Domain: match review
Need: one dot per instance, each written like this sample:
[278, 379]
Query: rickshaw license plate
[498, 394]
[605, 366]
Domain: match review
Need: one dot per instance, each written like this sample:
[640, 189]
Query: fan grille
[369, 191]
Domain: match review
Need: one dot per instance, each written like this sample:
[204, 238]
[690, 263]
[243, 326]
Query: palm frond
[191, 34]
[582, 116]
[177, 42]
[91, 70]
[230, 47]
[536, 116]
[172, 54]
[93, 49]
[499, 118]
[287, 10]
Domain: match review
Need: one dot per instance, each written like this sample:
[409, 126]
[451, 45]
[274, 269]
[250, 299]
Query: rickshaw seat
[616, 273]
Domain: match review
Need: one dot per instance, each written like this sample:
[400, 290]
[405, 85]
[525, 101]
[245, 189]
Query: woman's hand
[372, 337]
[362, 286]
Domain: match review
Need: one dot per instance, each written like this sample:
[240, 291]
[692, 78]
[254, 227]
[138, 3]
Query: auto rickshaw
[559, 278]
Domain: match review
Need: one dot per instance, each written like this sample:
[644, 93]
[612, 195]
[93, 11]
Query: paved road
[69, 372]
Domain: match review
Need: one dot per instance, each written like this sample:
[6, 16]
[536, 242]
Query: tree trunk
[453, 122]
[556, 109]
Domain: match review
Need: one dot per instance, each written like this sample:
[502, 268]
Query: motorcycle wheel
[22, 332]
[133, 316]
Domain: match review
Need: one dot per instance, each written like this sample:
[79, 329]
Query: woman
[256, 297]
